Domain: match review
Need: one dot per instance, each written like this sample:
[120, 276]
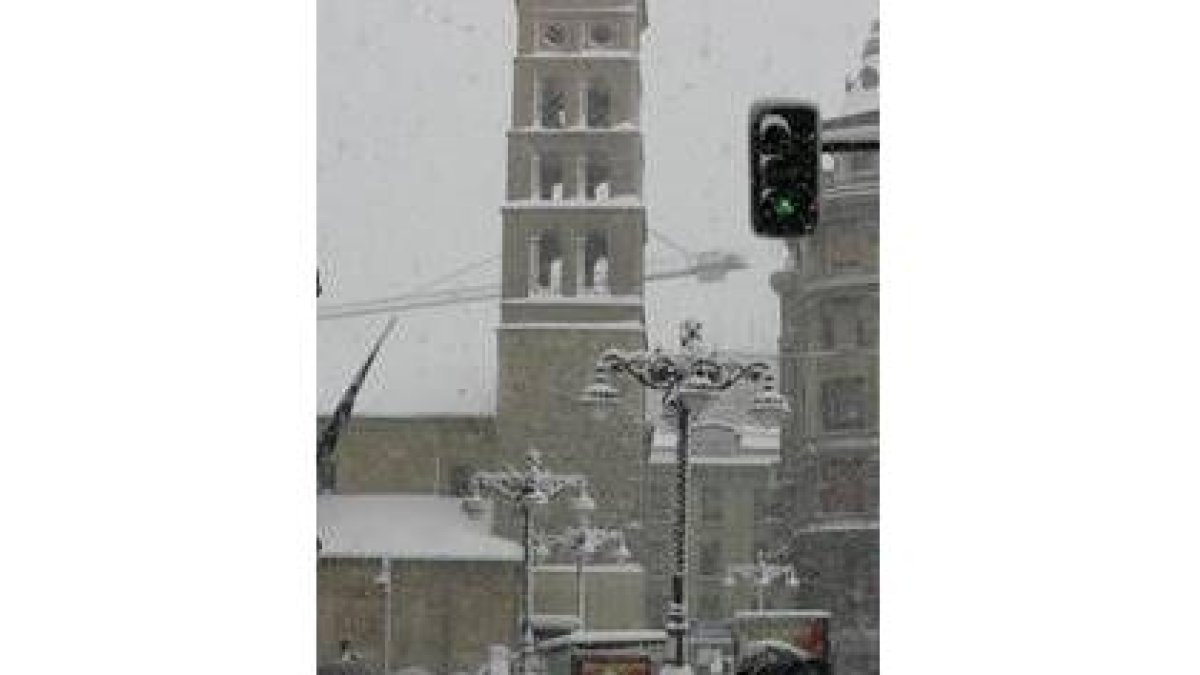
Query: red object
[613, 665]
[811, 638]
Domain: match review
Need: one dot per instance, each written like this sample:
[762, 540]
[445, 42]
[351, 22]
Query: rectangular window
[845, 403]
[845, 485]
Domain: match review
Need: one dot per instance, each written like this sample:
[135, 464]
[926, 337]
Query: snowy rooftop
[605, 637]
[591, 568]
[406, 527]
[665, 457]
[840, 525]
[783, 614]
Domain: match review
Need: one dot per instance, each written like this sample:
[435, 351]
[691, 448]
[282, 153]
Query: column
[581, 102]
[532, 286]
[581, 177]
[581, 265]
[536, 119]
[535, 176]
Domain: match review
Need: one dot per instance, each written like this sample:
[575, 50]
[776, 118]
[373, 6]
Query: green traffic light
[784, 206]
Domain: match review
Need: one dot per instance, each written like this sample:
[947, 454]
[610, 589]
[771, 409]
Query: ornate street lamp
[689, 380]
[761, 574]
[584, 541]
[534, 486]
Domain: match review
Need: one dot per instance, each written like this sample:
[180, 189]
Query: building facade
[829, 349]
[412, 576]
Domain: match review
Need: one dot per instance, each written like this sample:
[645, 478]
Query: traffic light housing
[785, 168]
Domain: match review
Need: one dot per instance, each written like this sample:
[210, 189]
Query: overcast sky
[413, 105]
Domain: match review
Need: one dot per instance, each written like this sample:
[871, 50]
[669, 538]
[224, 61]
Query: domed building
[829, 353]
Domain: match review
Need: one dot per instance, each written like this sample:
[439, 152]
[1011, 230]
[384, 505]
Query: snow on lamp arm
[762, 574]
[583, 542]
[529, 488]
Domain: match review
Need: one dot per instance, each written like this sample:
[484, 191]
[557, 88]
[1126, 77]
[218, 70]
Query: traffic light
[785, 168]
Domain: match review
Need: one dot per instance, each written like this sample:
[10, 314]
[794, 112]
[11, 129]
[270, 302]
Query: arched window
[599, 105]
[548, 273]
[598, 178]
[553, 104]
[596, 264]
[551, 181]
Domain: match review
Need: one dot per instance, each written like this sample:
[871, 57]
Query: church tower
[574, 232]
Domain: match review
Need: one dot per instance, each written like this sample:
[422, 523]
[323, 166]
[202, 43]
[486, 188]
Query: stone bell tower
[573, 241]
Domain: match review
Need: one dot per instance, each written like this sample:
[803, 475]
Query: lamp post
[761, 574]
[584, 541]
[689, 380]
[534, 486]
[384, 581]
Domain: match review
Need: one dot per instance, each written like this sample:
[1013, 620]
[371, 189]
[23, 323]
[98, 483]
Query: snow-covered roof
[566, 621]
[840, 525]
[592, 637]
[783, 614]
[591, 568]
[406, 527]
[668, 457]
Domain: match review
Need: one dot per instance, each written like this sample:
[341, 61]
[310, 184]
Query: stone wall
[444, 613]
[728, 519]
[614, 594]
[430, 455]
[542, 373]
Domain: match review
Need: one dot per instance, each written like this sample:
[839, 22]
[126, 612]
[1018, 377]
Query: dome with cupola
[862, 82]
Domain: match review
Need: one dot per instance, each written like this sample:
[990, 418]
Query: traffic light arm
[849, 146]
